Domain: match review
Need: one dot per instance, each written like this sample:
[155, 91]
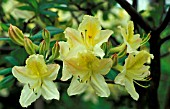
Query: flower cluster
[85, 61]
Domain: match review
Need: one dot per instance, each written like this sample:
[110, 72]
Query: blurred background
[31, 16]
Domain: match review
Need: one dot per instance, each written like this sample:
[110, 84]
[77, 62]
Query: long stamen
[142, 85]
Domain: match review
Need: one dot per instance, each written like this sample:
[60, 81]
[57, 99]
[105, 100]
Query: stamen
[29, 86]
[82, 35]
[142, 85]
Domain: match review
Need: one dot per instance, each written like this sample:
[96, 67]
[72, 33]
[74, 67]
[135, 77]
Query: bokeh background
[31, 16]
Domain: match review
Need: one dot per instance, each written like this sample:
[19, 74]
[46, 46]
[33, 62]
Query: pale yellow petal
[65, 73]
[35, 65]
[66, 52]
[131, 89]
[28, 96]
[124, 34]
[138, 60]
[49, 90]
[139, 74]
[52, 71]
[73, 36]
[91, 25]
[78, 64]
[64, 49]
[99, 85]
[120, 79]
[98, 51]
[104, 66]
[76, 87]
[103, 37]
[21, 74]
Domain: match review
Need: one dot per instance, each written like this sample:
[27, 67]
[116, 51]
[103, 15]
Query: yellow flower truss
[37, 78]
[88, 37]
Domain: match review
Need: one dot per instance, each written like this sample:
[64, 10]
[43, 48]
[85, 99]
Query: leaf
[11, 60]
[33, 3]
[112, 74]
[28, 8]
[20, 55]
[49, 13]
[4, 26]
[51, 29]
[5, 71]
[7, 82]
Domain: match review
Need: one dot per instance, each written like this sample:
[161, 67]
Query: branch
[165, 54]
[134, 4]
[136, 17]
[164, 23]
[164, 39]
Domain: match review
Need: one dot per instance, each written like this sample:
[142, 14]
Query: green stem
[5, 39]
[118, 67]
[117, 49]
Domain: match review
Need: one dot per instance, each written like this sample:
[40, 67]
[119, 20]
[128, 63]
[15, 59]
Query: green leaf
[5, 71]
[33, 3]
[112, 74]
[20, 55]
[51, 29]
[28, 8]
[49, 13]
[7, 82]
[4, 26]
[11, 60]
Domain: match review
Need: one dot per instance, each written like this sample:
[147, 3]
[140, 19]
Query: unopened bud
[114, 59]
[123, 52]
[46, 37]
[16, 35]
[29, 46]
[55, 51]
[42, 48]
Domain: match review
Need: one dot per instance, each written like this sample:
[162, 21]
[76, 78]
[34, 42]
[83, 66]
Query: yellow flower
[134, 69]
[88, 70]
[38, 80]
[89, 36]
[132, 41]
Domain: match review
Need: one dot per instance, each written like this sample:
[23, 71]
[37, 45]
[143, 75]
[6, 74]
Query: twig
[165, 54]
[136, 17]
[134, 4]
[164, 23]
[164, 39]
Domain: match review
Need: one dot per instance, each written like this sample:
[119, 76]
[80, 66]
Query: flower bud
[114, 59]
[42, 48]
[29, 46]
[16, 35]
[55, 51]
[46, 37]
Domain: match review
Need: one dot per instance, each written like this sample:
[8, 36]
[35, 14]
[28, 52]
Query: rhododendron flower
[132, 41]
[89, 36]
[134, 69]
[88, 70]
[38, 80]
